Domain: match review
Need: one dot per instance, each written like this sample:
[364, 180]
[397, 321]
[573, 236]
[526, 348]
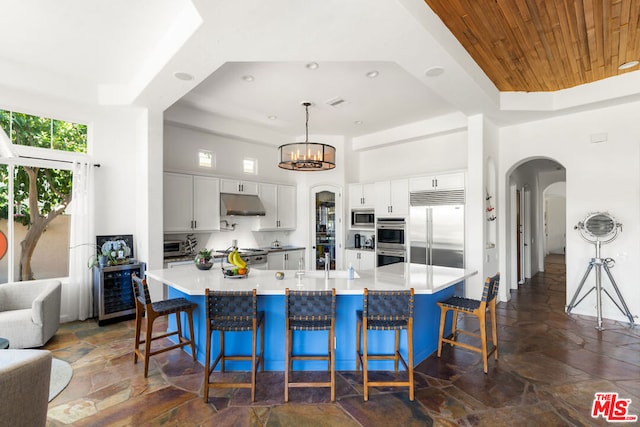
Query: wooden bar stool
[476, 308]
[233, 311]
[153, 310]
[310, 311]
[391, 311]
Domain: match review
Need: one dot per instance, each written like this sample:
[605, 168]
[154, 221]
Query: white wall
[421, 157]
[599, 177]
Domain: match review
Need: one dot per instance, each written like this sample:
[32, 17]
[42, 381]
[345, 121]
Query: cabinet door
[206, 203]
[355, 195]
[351, 257]
[383, 200]
[368, 195]
[231, 186]
[268, 196]
[367, 260]
[399, 197]
[422, 183]
[248, 187]
[177, 202]
[286, 207]
[275, 260]
[292, 259]
[454, 181]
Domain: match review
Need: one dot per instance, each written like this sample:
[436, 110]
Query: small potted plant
[204, 259]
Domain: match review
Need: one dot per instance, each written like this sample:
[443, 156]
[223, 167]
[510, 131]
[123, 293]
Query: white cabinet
[285, 260]
[451, 181]
[280, 205]
[392, 198]
[362, 195]
[191, 203]
[360, 260]
[234, 186]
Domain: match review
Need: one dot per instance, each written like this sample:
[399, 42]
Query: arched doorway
[326, 227]
[527, 217]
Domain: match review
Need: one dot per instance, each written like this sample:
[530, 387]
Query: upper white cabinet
[392, 198]
[451, 181]
[191, 203]
[362, 195]
[280, 205]
[234, 186]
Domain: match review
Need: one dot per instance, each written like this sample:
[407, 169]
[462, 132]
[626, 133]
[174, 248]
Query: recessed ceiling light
[628, 65]
[373, 74]
[434, 71]
[358, 122]
[312, 65]
[248, 78]
[182, 76]
[272, 117]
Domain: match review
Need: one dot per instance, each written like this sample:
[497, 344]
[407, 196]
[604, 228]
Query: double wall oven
[391, 239]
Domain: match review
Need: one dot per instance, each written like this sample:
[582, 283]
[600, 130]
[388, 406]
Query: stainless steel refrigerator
[436, 230]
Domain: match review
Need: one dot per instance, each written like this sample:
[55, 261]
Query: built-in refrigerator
[436, 228]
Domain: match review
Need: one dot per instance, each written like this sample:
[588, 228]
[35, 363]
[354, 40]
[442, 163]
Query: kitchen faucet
[327, 262]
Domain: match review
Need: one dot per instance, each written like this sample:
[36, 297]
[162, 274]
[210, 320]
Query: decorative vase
[203, 263]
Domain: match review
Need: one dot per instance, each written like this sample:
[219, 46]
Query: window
[34, 195]
[250, 166]
[206, 159]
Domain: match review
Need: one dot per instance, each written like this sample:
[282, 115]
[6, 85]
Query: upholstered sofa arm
[46, 306]
[20, 295]
[24, 387]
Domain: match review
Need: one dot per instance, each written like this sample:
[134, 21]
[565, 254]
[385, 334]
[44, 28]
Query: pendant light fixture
[307, 156]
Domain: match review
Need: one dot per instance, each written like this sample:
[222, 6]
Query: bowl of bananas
[238, 268]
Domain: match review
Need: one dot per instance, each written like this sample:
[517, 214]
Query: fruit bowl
[234, 272]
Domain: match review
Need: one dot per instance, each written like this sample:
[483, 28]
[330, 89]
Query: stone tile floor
[549, 368]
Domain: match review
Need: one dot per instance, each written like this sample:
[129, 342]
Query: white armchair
[29, 312]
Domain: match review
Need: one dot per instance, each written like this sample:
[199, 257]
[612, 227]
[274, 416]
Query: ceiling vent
[337, 102]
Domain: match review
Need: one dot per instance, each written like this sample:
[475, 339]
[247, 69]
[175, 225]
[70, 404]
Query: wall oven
[390, 256]
[391, 244]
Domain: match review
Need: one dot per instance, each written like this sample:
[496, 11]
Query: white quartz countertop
[424, 279]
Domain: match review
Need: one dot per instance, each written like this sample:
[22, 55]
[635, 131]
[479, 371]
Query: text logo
[612, 408]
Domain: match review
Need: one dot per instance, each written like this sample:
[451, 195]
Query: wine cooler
[112, 292]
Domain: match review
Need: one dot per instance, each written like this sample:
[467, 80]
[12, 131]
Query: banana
[230, 258]
[239, 261]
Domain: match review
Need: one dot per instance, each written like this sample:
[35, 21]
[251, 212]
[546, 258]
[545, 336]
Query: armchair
[29, 312]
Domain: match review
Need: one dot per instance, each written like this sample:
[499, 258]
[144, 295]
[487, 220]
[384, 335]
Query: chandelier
[307, 156]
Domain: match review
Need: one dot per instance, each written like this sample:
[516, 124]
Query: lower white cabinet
[360, 260]
[285, 260]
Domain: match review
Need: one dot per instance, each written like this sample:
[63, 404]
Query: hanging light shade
[307, 156]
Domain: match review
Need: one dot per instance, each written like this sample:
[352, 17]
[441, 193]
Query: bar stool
[233, 311]
[476, 308]
[153, 310]
[310, 311]
[390, 311]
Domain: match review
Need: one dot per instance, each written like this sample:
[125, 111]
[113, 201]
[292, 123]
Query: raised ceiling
[540, 46]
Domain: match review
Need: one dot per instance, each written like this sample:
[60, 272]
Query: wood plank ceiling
[545, 45]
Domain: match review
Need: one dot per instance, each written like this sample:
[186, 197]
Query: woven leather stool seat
[385, 311]
[476, 308]
[227, 312]
[310, 311]
[145, 309]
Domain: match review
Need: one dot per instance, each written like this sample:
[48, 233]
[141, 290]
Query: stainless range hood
[241, 205]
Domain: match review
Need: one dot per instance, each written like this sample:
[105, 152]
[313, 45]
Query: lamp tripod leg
[615, 287]
[599, 295]
[575, 296]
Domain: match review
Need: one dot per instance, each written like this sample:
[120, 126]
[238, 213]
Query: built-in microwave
[174, 248]
[364, 218]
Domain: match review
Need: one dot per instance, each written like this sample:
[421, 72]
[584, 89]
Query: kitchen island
[431, 284]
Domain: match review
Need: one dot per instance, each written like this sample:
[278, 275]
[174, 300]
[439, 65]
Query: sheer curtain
[81, 241]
